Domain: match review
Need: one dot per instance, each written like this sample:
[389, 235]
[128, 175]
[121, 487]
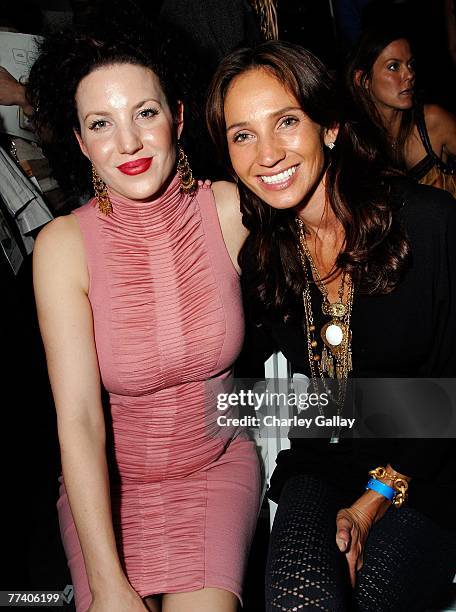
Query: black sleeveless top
[419, 170]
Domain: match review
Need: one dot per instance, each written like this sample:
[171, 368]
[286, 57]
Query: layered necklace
[335, 360]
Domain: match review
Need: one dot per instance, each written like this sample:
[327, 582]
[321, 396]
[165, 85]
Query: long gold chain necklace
[336, 358]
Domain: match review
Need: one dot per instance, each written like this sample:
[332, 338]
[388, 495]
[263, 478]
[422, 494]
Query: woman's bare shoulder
[441, 126]
[59, 250]
[227, 200]
[437, 117]
[226, 197]
[62, 232]
[59, 229]
[226, 192]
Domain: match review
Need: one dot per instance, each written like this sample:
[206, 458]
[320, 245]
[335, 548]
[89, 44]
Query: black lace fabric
[408, 559]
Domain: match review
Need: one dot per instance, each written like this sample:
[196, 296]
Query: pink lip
[138, 166]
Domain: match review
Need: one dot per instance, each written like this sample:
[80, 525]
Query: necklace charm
[336, 355]
[337, 310]
[333, 334]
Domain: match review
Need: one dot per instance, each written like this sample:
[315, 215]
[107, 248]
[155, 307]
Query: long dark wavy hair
[357, 185]
[64, 60]
[360, 62]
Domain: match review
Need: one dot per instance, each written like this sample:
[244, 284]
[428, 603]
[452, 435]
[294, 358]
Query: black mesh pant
[407, 558]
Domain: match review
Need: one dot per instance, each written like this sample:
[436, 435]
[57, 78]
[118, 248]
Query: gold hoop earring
[187, 182]
[101, 193]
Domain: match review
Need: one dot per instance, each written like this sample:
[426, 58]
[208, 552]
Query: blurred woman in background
[420, 139]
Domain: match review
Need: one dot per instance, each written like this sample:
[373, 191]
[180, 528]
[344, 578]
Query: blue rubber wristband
[383, 489]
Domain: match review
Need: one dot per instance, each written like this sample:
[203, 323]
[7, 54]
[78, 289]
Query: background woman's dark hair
[64, 60]
[362, 58]
[357, 185]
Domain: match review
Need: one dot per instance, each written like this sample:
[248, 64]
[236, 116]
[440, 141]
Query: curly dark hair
[65, 59]
[358, 185]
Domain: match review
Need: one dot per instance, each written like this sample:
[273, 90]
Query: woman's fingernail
[342, 545]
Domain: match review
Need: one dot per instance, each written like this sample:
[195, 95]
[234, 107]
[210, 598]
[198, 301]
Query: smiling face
[127, 129]
[393, 77]
[275, 149]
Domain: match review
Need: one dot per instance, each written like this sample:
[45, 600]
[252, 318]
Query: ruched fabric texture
[168, 326]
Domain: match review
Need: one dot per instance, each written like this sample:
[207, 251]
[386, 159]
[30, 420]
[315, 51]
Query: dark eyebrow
[277, 113]
[395, 59]
[136, 106]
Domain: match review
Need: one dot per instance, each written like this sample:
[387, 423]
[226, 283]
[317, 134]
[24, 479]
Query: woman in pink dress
[138, 293]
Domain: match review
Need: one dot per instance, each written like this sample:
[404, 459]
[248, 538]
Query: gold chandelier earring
[101, 193]
[187, 182]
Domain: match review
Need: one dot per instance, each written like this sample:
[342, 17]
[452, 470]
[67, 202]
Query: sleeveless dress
[168, 326]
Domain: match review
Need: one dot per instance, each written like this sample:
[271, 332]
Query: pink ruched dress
[168, 326]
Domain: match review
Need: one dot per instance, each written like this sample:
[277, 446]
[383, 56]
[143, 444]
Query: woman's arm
[65, 317]
[354, 523]
[228, 208]
[420, 459]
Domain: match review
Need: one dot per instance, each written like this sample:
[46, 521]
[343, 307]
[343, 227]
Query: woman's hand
[115, 600]
[353, 526]
[12, 92]
[204, 184]
[354, 523]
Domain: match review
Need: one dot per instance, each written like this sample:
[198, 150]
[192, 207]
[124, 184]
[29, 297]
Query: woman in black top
[349, 271]
[420, 139]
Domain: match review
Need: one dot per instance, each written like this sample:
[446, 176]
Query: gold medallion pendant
[335, 335]
[336, 354]
[337, 310]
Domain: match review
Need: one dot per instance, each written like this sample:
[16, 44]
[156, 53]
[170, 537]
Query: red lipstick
[138, 166]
